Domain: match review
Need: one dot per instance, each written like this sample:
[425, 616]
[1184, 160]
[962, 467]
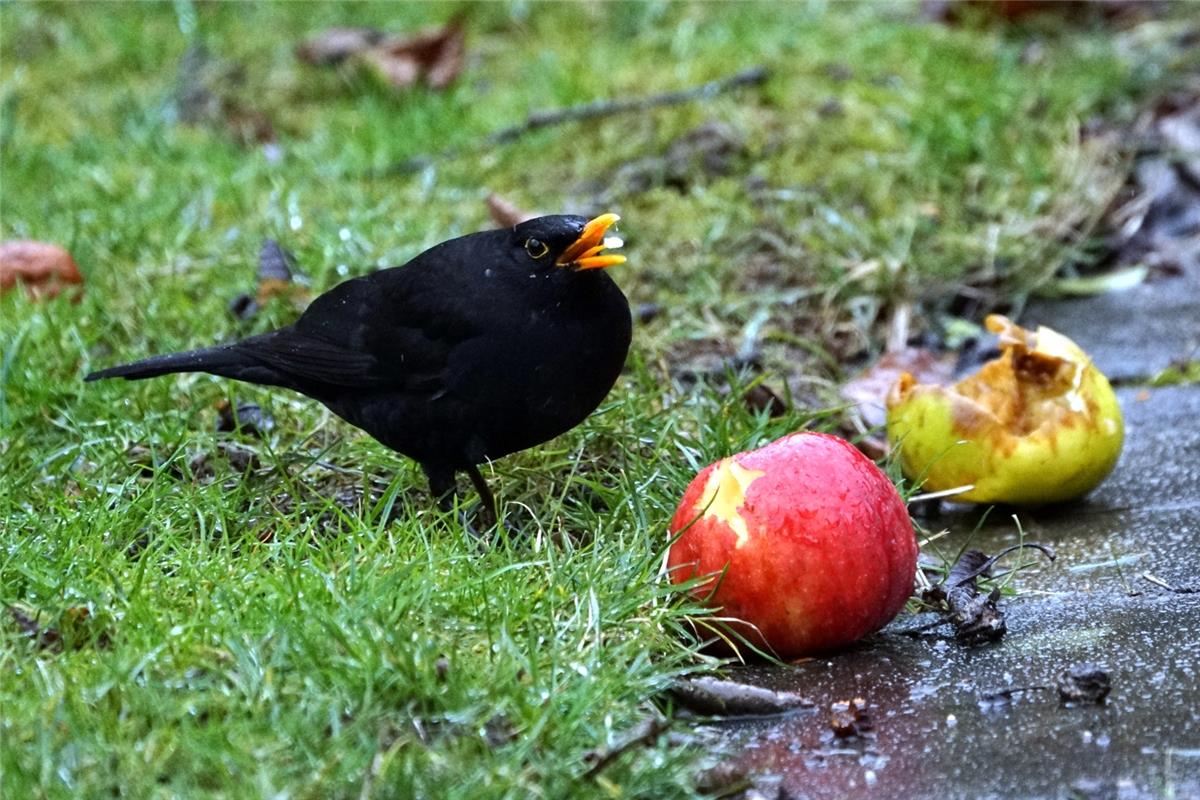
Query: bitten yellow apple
[1039, 424]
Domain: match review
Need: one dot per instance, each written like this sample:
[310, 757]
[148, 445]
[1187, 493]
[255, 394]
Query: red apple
[806, 541]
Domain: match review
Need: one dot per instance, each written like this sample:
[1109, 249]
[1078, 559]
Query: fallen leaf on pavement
[995, 698]
[1078, 684]
[1083, 684]
[976, 617]
[724, 698]
[849, 718]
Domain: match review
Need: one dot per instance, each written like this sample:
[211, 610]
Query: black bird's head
[566, 242]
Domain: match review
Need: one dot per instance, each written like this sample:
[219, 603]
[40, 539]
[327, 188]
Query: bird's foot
[479, 523]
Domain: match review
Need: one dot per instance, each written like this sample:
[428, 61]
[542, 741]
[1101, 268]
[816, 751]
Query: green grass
[250, 634]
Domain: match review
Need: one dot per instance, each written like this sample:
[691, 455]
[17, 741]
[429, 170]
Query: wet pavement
[1111, 598]
[1132, 334]
[933, 732]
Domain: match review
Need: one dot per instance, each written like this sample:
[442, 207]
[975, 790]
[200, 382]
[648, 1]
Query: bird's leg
[488, 513]
[441, 486]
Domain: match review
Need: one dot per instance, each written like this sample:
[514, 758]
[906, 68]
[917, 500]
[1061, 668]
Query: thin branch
[646, 733]
[1157, 581]
[754, 76]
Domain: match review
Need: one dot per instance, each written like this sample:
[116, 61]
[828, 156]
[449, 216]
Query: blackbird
[479, 347]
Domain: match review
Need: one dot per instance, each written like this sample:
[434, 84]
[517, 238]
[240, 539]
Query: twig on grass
[755, 76]
[646, 733]
[607, 108]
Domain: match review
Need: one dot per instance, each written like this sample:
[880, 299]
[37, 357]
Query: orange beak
[585, 252]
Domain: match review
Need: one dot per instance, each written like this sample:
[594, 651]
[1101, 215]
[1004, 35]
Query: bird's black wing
[393, 329]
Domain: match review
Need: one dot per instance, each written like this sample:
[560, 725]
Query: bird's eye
[536, 248]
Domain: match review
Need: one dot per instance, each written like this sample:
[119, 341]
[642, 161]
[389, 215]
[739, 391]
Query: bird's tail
[229, 361]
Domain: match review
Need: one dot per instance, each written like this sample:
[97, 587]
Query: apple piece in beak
[586, 251]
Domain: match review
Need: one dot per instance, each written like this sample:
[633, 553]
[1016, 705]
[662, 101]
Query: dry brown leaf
[867, 392]
[976, 617]
[848, 719]
[504, 213]
[44, 269]
[1153, 221]
[869, 388]
[276, 277]
[435, 56]
[1083, 684]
